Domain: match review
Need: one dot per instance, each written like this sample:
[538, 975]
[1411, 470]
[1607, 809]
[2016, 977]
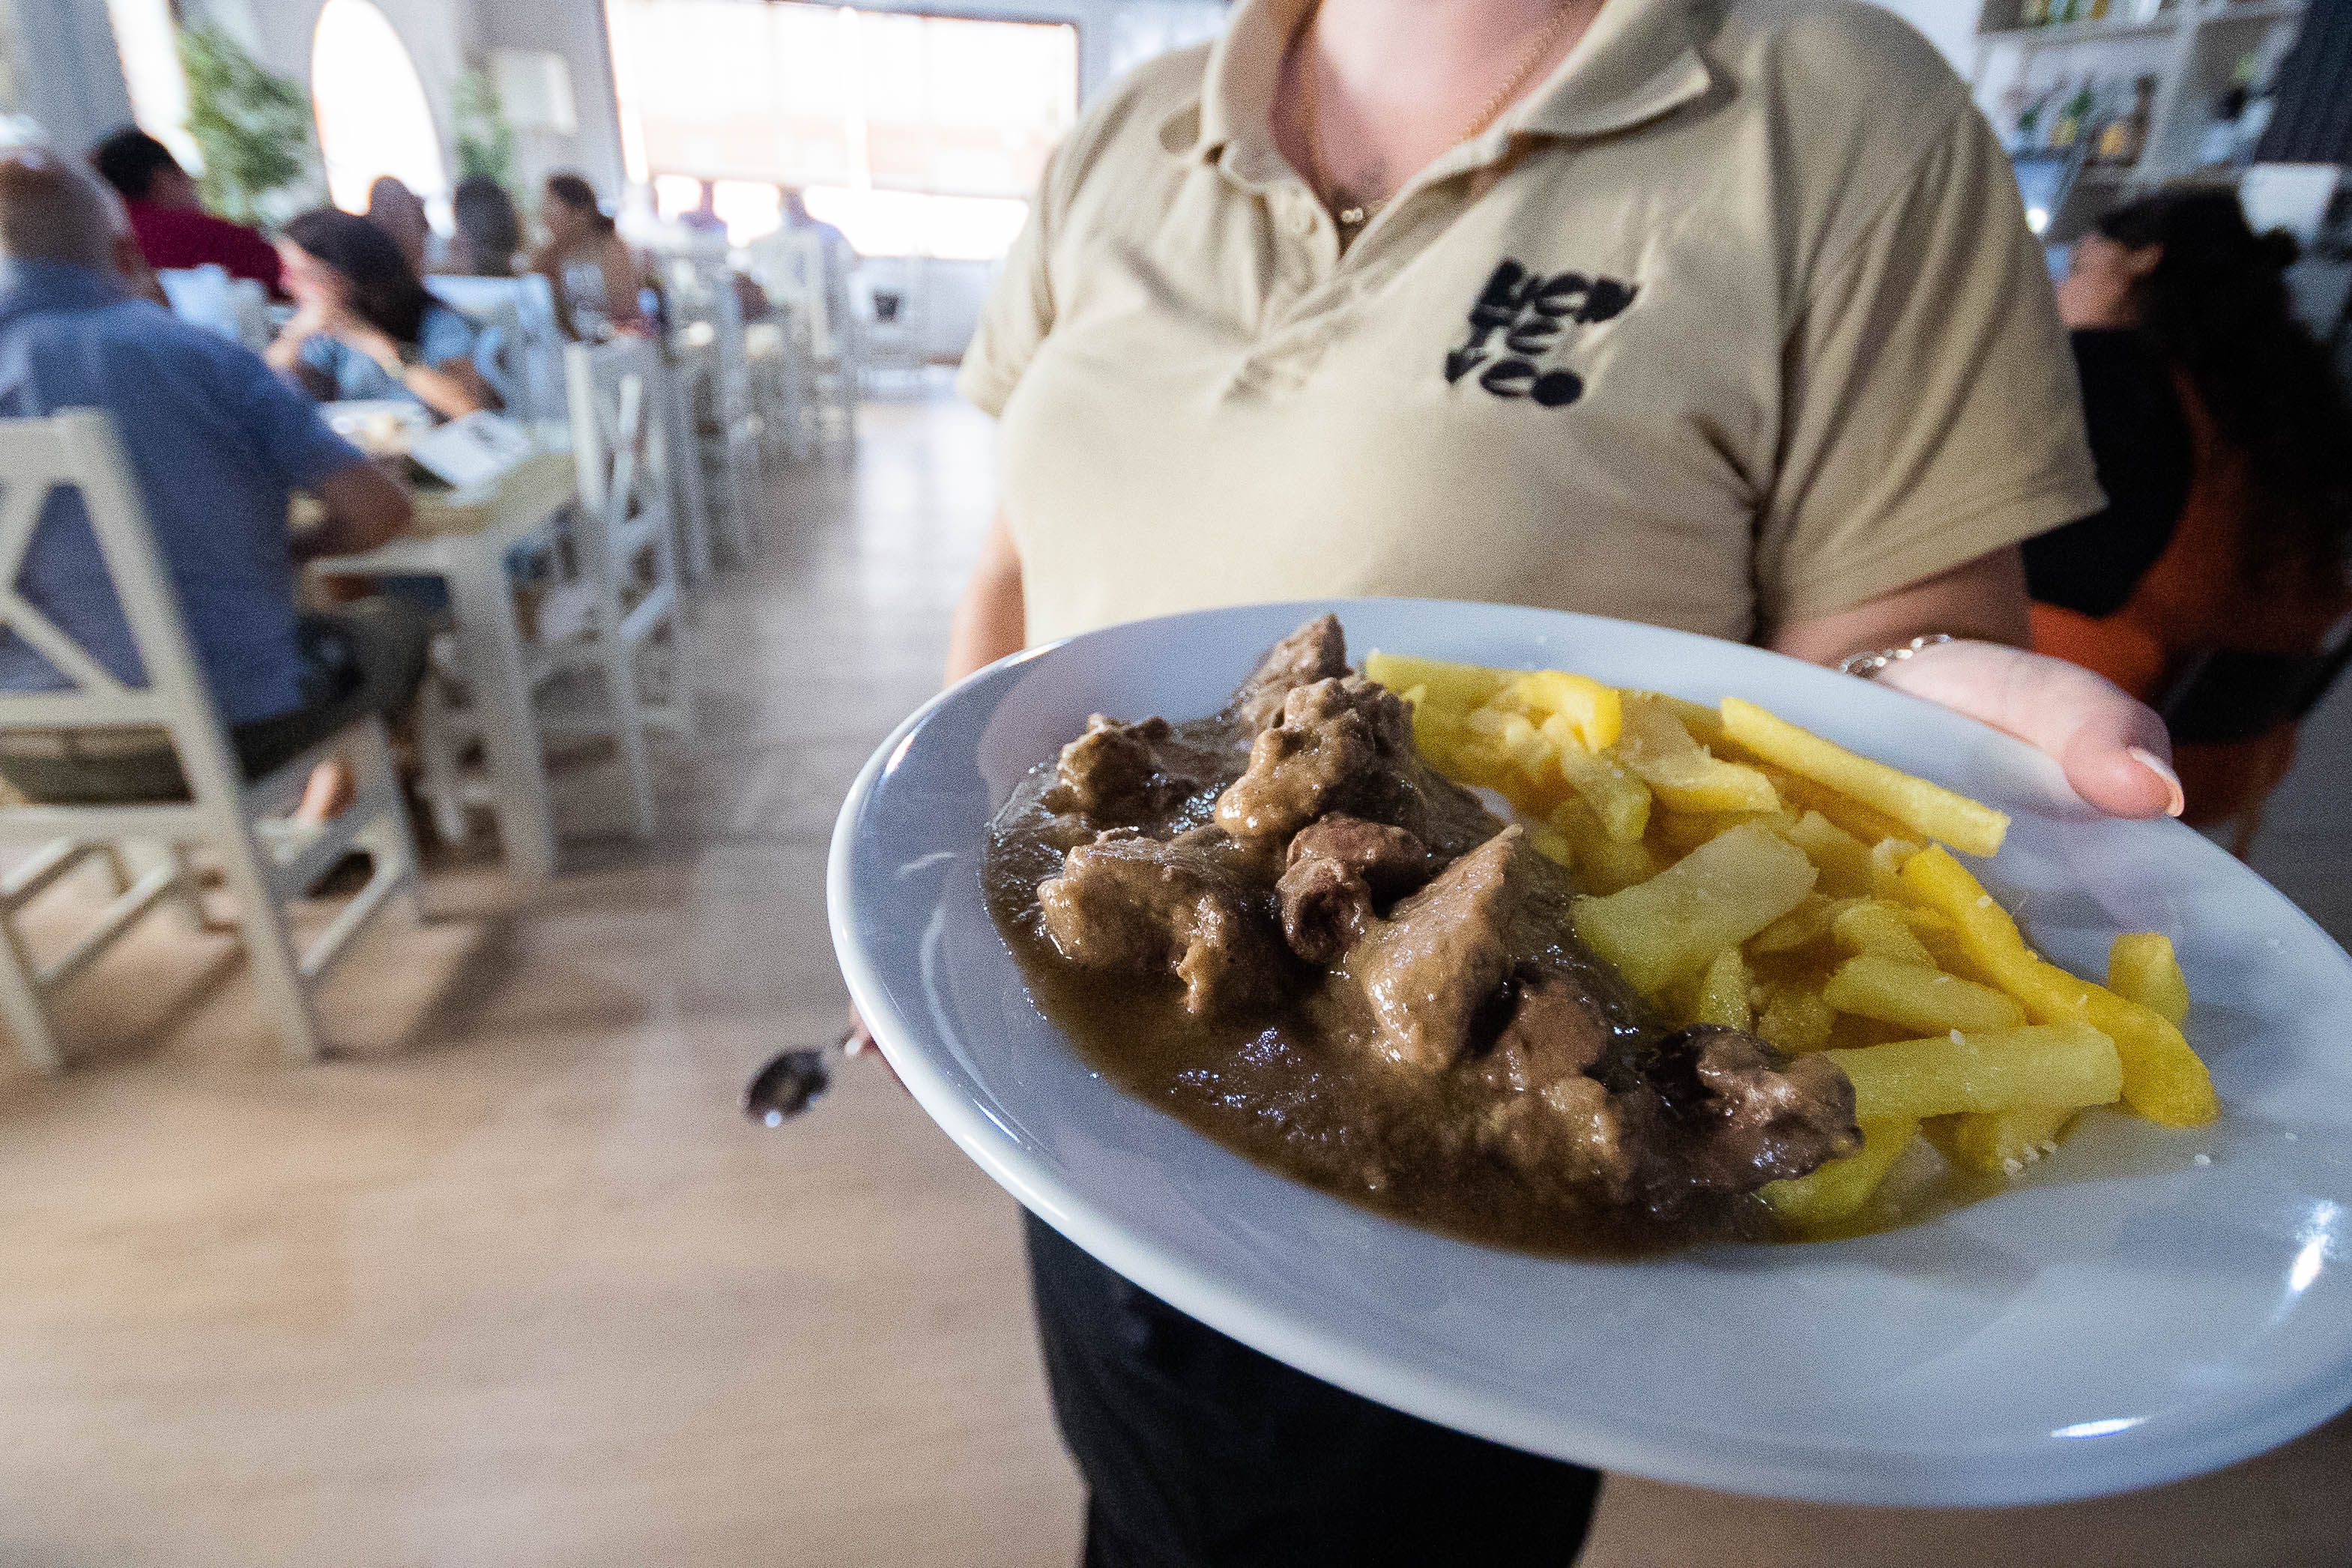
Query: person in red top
[169, 219]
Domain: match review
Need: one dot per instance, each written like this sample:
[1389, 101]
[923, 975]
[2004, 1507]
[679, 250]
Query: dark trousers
[366, 657]
[1200, 1452]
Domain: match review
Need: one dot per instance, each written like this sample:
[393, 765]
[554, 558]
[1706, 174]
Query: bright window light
[676, 195]
[906, 223]
[749, 209]
[149, 43]
[372, 117]
[926, 133]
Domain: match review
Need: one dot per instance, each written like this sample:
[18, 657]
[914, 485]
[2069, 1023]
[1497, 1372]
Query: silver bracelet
[1869, 665]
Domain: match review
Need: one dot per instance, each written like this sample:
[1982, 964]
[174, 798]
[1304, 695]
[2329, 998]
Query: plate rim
[2151, 1452]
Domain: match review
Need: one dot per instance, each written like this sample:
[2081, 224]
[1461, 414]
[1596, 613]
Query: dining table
[463, 536]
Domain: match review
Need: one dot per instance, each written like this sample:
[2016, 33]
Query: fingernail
[2174, 801]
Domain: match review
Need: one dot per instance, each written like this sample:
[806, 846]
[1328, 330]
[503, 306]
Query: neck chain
[1352, 210]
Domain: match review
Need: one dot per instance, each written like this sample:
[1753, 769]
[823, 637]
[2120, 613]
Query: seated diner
[365, 327]
[217, 445]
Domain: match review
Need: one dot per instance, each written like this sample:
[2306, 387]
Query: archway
[372, 116]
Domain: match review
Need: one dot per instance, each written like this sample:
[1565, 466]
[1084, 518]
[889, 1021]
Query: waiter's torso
[1689, 338]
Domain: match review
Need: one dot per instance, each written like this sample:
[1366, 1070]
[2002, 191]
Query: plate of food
[1626, 1045]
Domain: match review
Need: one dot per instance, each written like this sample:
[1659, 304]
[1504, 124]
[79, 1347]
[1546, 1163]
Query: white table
[462, 537]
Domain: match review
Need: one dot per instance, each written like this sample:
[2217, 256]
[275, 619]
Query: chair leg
[20, 1001]
[386, 837]
[268, 946]
[442, 781]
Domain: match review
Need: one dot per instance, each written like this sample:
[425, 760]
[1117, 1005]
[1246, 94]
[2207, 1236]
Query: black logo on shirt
[1520, 317]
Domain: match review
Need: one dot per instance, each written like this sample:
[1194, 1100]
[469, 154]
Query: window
[149, 44]
[372, 117]
[917, 135]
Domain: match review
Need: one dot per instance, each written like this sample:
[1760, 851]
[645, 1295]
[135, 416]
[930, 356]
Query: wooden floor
[516, 1283]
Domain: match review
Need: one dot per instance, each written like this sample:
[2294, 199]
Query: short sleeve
[291, 442]
[1018, 315]
[444, 335]
[1930, 410]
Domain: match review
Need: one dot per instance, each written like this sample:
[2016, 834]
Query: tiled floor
[518, 1285]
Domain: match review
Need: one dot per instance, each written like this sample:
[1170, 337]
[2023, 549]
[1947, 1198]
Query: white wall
[65, 71]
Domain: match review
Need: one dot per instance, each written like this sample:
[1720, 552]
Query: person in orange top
[2224, 443]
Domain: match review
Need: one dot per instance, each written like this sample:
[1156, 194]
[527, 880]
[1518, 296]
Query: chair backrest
[530, 355]
[76, 451]
[617, 446]
[799, 272]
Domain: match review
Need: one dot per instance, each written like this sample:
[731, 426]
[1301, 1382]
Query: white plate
[2123, 1316]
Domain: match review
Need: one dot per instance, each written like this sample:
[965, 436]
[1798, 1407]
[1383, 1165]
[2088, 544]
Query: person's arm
[621, 279]
[451, 388]
[2113, 747]
[364, 508]
[990, 619]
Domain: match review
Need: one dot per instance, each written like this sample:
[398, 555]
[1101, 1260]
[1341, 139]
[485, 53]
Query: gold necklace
[1352, 213]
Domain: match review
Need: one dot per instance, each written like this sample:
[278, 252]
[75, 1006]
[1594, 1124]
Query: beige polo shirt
[1732, 322]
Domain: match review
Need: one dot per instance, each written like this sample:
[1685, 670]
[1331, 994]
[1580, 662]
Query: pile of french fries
[1740, 870]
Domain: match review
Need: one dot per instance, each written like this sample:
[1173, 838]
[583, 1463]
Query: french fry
[1844, 859]
[1887, 858]
[1836, 1191]
[1717, 896]
[1594, 712]
[1605, 862]
[2164, 1081]
[1917, 997]
[1620, 800]
[1458, 686]
[2000, 1143]
[1702, 723]
[1802, 926]
[1722, 992]
[1930, 809]
[1874, 925]
[2141, 967]
[1796, 1019]
[1552, 845]
[1658, 750]
[2040, 1064]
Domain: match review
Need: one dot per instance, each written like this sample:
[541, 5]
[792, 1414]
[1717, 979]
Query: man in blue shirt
[217, 444]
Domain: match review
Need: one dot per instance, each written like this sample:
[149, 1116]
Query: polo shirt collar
[28, 285]
[1638, 60]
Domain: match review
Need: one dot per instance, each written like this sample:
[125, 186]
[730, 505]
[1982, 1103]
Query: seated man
[217, 444]
[166, 214]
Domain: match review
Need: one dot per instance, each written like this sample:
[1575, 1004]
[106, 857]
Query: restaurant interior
[468, 1174]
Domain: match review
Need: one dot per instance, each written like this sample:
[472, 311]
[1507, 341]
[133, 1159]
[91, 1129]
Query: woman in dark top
[2224, 443]
[490, 230]
[365, 327]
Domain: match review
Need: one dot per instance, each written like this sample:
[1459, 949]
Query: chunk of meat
[1119, 772]
[1338, 872]
[1338, 741]
[1556, 1028]
[1316, 652]
[1191, 907]
[1566, 1139]
[1754, 1115]
[1436, 965]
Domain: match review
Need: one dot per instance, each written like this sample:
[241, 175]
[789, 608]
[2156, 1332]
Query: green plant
[252, 124]
[485, 143]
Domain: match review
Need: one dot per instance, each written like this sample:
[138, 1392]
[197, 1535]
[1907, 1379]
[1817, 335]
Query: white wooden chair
[522, 309]
[612, 612]
[622, 457]
[802, 279]
[709, 325]
[240, 823]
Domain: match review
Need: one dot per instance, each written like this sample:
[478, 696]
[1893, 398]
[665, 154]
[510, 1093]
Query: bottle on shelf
[2074, 117]
[2094, 11]
[2033, 12]
[2124, 137]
